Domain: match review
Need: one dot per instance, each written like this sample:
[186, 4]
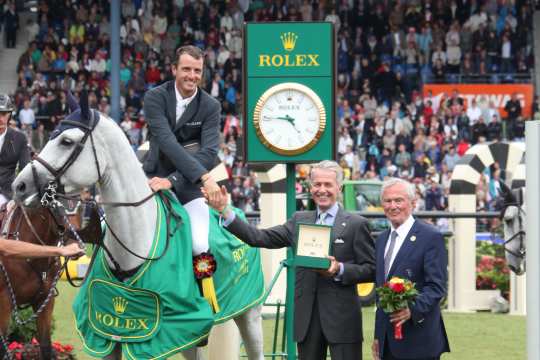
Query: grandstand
[419, 82]
[390, 119]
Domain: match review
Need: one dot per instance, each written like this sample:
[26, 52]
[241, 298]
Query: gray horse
[513, 216]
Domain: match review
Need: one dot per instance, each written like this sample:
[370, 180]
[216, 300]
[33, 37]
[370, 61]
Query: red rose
[397, 287]
[14, 346]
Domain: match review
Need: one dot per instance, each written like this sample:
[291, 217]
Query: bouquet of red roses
[394, 295]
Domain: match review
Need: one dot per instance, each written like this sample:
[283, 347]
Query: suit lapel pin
[413, 238]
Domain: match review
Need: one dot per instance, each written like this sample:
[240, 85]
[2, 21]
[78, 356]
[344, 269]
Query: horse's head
[513, 216]
[33, 225]
[70, 158]
[40, 225]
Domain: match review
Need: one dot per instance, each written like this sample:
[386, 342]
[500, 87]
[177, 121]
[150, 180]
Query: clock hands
[287, 118]
[291, 121]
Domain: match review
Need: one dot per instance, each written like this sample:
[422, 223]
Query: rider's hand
[211, 190]
[157, 183]
[72, 250]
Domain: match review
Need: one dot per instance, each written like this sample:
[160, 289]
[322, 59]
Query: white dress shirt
[402, 232]
[181, 103]
[2, 137]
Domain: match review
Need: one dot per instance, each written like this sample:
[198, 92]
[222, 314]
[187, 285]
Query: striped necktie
[388, 256]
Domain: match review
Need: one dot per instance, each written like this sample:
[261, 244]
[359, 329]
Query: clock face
[289, 118]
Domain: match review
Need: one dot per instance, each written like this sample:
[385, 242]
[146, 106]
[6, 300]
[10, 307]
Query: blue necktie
[322, 218]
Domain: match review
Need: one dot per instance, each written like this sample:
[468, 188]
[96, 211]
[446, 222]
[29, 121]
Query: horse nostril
[21, 188]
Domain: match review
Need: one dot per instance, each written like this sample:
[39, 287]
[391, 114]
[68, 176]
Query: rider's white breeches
[199, 218]
[3, 200]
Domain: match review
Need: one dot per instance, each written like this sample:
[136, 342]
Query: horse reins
[118, 270]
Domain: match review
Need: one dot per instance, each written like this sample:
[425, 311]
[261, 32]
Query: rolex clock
[289, 118]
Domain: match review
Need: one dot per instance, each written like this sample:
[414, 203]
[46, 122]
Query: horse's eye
[66, 142]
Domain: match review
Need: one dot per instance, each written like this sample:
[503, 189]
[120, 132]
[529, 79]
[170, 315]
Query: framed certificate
[313, 245]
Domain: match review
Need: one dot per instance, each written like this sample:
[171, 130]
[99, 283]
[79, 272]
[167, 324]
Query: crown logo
[289, 40]
[119, 304]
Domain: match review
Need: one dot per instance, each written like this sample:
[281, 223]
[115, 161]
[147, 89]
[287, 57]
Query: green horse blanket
[159, 311]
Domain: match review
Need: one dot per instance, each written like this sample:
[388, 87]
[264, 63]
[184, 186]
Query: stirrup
[204, 266]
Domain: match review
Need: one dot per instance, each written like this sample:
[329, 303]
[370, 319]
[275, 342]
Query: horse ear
[508, 195]
[85, 108]
[72, 102]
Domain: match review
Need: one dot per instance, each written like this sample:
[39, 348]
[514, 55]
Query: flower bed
[31, 351]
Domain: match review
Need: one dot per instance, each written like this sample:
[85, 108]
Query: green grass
[478, 336]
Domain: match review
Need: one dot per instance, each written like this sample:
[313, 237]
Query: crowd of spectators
[386, 51]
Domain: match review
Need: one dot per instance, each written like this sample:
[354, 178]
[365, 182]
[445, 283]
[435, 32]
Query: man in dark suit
[14, 150]
[183, 122]
[327, 307]
[413, 250]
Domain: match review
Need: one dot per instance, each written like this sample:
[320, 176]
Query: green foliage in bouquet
[396, 294]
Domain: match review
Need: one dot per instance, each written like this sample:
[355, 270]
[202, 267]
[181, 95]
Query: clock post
[289, 105]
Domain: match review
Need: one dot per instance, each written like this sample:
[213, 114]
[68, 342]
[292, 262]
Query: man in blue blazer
[413, 250]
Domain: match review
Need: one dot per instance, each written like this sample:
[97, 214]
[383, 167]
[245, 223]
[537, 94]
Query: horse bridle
[57, 173]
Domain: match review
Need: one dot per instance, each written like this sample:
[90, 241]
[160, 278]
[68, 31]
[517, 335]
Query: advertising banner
[499, 94]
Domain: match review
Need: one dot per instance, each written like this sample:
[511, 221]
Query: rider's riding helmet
[5, 103]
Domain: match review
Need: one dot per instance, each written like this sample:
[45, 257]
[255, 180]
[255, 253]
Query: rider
[14, 150]
[183, 122]
[21, 249]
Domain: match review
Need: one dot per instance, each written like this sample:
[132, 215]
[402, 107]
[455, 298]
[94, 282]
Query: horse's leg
[44, 321]
[5, 316]
[116, 353]
[250, 326]
[195, 353]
